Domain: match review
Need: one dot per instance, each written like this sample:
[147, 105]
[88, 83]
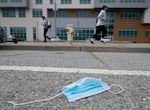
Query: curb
[76, 47]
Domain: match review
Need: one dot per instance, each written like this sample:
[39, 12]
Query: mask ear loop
[118, 86]
[35, 101]
[51, 98]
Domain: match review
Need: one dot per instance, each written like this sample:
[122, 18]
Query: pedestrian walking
[100, 26]
[46, 26]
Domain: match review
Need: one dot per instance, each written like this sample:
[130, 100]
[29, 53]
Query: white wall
[75, 4]
[147, 16]
[29, 22]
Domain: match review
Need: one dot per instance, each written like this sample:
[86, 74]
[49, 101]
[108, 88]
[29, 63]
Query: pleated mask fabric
[84, 87]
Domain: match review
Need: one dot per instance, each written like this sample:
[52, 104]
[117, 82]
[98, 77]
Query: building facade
[132, 19]
[128, 20]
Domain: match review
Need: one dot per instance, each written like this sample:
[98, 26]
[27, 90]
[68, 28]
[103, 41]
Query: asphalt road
[20, 84]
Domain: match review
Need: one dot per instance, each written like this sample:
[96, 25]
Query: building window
[34, 34]
[131, 33]
[85, 1]
[61, 14]
[51, 1]
[16, 0]
[84, 34]
[83, 14]
[147, 34]
[19, 32]
[21, 12]
[130, 15]
[79, 34]
[62, 33]
[38, 1]
[3, 33]
[107, 1]
[66, 1]
[9, 12]
[3, 1]
[37, 12]
[110, 23]
[138, 1]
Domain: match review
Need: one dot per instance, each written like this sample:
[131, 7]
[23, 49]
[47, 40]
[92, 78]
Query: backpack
[49, 25]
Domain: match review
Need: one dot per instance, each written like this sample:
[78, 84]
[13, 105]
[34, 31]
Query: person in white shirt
[100, 26]
[45, 26]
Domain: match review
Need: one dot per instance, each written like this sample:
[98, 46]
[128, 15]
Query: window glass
[51, 1]
[66, 1]
[109, 1]
[16, 0]
[83, 14]
[85, 1]
[21, 12]
[8, 12]
[19, 32]
[79, 34]
[147, 34]
[34, 33]
[3, 1]
[38, 1]
[37, 12]
[128, 33]
[130, 15]
[61, 14]
[138, 1]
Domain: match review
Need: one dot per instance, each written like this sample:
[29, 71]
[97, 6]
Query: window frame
[8, 12]
[22, 12]
[66, 1]
[38, 1]
[85, 1]
[37, 12]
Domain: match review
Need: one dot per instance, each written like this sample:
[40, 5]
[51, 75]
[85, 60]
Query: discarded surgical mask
[80, 89]
[83, 88]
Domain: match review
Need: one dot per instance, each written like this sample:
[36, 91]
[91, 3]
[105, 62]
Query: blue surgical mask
[83, 88]
[80, 89]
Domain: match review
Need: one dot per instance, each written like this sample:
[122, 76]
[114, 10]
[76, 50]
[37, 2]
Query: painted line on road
[74, 70]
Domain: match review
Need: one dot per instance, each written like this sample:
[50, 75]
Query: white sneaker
[92, 41]
[102, 40]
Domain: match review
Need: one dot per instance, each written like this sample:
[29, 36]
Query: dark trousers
[45, 36]
[100, 29]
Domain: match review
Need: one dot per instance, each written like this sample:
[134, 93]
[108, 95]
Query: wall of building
[130, 24]
[119, 4]
[30, 22]
[75, 5]
[35, 22]
[9, 3]
[146, 16]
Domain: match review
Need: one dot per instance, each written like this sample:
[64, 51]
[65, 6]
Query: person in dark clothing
[100, 26]
[45, 26]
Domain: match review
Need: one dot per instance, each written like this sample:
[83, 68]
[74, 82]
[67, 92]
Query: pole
[55, 16]
[78, 31]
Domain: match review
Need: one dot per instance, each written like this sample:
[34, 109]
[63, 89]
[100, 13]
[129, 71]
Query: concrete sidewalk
[78, 46]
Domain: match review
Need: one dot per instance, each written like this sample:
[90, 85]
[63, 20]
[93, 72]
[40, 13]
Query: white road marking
[75, 70]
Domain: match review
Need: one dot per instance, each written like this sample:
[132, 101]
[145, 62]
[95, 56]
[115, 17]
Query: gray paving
[27, 86]
[24, 86]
